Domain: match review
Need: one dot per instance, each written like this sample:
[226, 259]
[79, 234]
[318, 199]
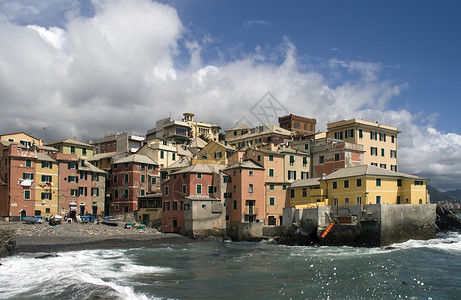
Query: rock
[7, 242]
[447, 220]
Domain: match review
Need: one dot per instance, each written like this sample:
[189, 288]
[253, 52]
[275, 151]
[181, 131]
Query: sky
[82, 69]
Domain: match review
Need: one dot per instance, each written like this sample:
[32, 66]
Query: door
[95, 211]
[82, 210]
[23, 214]
[145, 219]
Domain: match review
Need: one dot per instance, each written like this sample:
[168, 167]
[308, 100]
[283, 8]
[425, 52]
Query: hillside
[454, 194]
[438, 196]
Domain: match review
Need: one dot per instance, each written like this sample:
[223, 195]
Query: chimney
[323, 176]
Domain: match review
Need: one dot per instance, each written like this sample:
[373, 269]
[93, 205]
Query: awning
[73, 208]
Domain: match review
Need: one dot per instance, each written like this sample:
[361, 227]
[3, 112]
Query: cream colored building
[182, 131]
[70, 146]
[22, 138]
[241, 136]
[379, 141]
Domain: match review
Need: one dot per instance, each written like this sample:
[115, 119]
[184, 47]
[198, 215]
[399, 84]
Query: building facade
[302, 126]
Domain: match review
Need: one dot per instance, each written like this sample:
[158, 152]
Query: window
[84, 151]
[199, 189]
[125, 193]
[235, 204]
[28, 163]
[250, 173]
[383, 152]
[46, 178]
[394, 168]
[173, 156]
[419, 182]
[166, 191]
[6, 162]
[74, 193]
[271, 187]
[28, 176]
[374, 164]
[250, 188]
[346, 184]
[210, 189]
[360, 133]
[378, 181]
[45, 164]
[235, 189]
[291, 175]
[217, 155]
[161, 154]
[72, 179]
[143, 178]
[382, 166]
[374, 151]
[94, 192]
[393, 139]
[335, 185]
[284, 187]
[83, 175]
[358, 200]
[72, 165]
[226, 179]
[304, 192]
[335, 201]
[339, 135]
[271, 172]
[153, 180]
[26, 194]
[126, 178]
[234, 173]
[115, 179]
[378, 199]
[175, 205]
[306, 146]
[336, 156]
[199, 175]
[292, 193]
[271, 157]
[116, 195]
[271, 201]
[304, 161]
[166, 206]
[399, 182]
[321, 159]
[72, 150]
[82, 191]
[349, 133]
[292, 160]
[359, 182]
[304, 175]
[346, 201]
[393, 154]
[227, 195]
[94, 177]
[259, 157]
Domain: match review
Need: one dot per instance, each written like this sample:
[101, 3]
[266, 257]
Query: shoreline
[43, 238]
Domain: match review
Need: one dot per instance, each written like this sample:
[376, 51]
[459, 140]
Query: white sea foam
[109, 268]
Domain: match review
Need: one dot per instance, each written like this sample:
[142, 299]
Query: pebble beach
[75, 236]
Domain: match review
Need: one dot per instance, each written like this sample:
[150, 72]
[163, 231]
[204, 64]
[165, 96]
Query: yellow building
[379, 141]
[213, 153]
[373, 185]
[47, 187]
[305, 193]
[70, 146]
[21, 138]
[358, 185]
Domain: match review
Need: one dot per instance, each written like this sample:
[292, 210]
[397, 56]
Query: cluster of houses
[188, 177]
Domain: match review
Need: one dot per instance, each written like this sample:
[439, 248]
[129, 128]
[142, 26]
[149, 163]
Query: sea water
[241, 270]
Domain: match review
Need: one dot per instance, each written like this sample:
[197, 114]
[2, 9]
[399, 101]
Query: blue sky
[82, 69]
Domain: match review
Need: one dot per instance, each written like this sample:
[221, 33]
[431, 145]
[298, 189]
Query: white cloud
[115, 71]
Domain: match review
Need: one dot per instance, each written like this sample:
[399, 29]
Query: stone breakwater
[70, 237]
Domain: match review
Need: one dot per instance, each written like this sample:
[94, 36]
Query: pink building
[131, 177]
[192, 183]
[246, 190]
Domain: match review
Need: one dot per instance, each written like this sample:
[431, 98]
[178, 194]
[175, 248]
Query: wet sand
[72, 237]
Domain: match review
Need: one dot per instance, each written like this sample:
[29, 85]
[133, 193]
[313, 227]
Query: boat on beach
[109, 221]
[33, 220]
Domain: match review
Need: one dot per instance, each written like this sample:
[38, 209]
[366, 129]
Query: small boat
[109, 221]
[55, 220]
[33, 220]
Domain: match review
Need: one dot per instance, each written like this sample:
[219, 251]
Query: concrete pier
[359, 225]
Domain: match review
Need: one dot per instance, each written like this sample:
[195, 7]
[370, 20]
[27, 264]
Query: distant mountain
[438, 196]
[454, 193]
